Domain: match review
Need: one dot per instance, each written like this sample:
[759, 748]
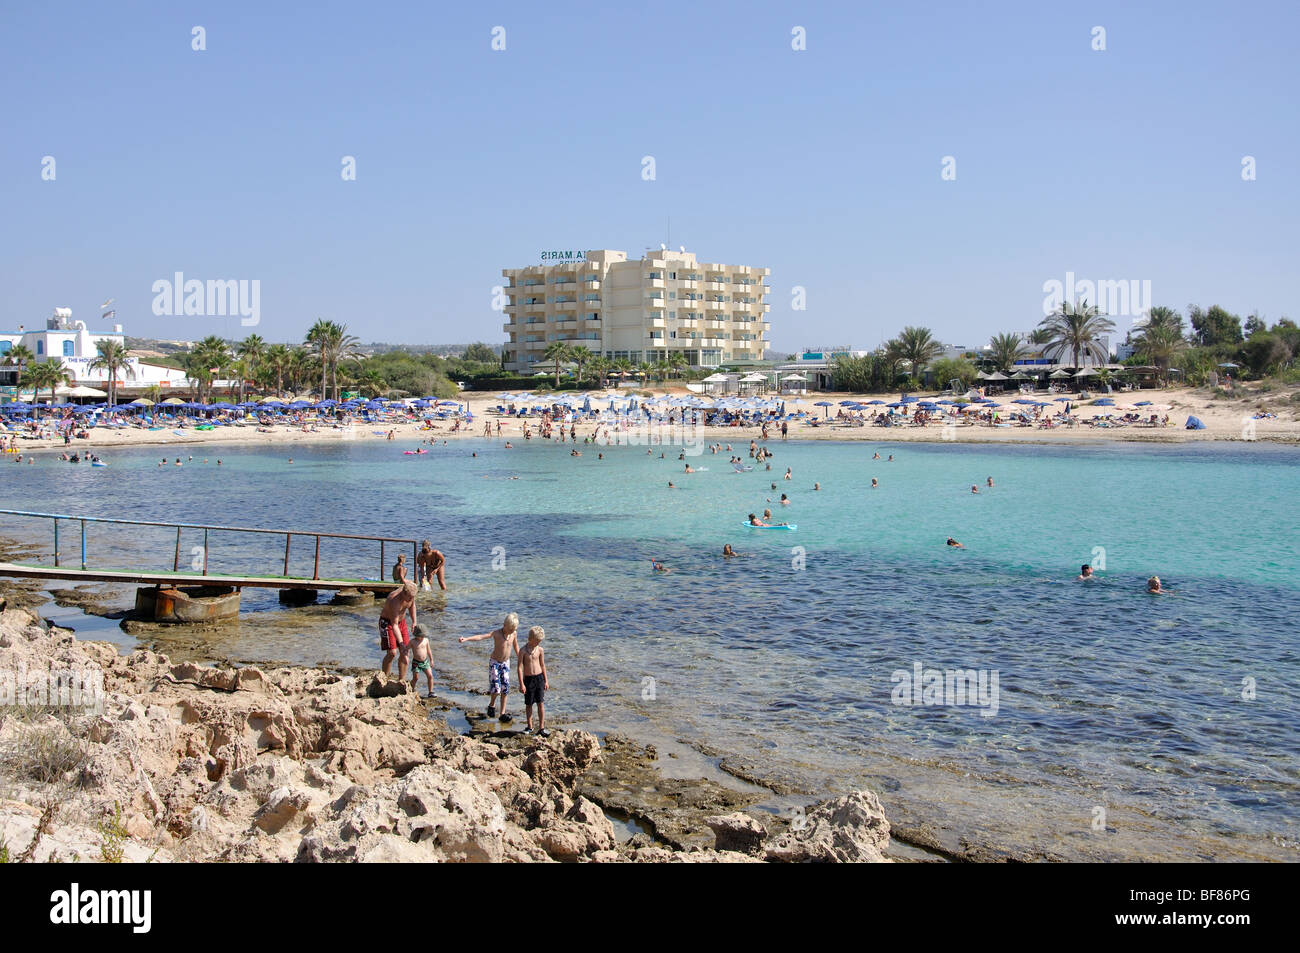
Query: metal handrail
[287, 533]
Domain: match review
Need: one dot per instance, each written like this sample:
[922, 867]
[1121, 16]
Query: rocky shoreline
[182, 762]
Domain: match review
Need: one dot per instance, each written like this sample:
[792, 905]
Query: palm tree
[253, 350]
[1040, 337]
[49, 373]
[1074, 330]
[1005, 350]
[558, 352]
[206, 361]
[276, 359]
[331, 342]
[581, 355]
[111, 357]
[20, 355]
[918, 346]
[600, 368]
[645, 369]
[623, 366]
[153, 392]
[1161, 339]
[677, 361]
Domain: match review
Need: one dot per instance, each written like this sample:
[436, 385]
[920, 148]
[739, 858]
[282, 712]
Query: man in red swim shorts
[394, 636]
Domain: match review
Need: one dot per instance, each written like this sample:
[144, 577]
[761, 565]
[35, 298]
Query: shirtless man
[429, 565]
[504, 642]
[394, 636]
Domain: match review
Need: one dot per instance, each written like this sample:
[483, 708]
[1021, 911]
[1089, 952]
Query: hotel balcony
[713, 325]
[657, 323]
[716, 286]
[534, 345]
[710, 342]
[655, 283]
[566, 324]
[689, 324]
[566, 305]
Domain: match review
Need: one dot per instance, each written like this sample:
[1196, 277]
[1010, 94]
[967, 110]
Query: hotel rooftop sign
[564, 257]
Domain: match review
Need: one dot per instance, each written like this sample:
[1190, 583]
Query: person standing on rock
[504, 642]
[394, 636]
[532, 672]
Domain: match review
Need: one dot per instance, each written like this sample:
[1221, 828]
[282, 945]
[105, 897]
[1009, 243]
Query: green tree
[1005, 350]
[480, 352]
[953, 369]
[918, 347]
[1215, 326]
[48, 373]
[582, 356]
[1161, 339]
[253, 351]
[20, 356]
[557, 351]
[111, 357]
[1075, 329]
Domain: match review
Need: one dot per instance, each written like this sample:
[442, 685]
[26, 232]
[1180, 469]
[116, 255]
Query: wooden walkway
[189, 579]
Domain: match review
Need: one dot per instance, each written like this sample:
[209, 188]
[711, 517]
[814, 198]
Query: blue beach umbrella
[1143, 403]
[871, 403]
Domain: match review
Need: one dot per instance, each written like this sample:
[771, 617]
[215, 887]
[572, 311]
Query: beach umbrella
[142, 402]
[908, 400]
[824, 403]
[875, 402]
[1063, 400]
[1024, 400]
[1143, 403]
[173, 401]
[1104, 402]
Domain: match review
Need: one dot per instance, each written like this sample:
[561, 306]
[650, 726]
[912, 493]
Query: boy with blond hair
[532, 669]
[503, 643]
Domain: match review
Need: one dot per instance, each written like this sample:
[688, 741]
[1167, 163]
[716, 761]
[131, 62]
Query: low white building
[76, 346]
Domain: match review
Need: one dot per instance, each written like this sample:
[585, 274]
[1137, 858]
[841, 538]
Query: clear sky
[823, 164]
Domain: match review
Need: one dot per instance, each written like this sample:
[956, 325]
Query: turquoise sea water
[1127, 725]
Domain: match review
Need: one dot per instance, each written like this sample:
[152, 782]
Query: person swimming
[1154, 587]
[1085, 571]
[974, 488]
[785, 500]
[953, 543]
[728, 552]
[874, 484]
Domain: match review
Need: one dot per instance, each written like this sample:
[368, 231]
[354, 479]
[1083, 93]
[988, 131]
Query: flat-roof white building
[75, 346]
[644, 309]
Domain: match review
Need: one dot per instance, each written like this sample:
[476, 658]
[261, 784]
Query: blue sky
[822, 164]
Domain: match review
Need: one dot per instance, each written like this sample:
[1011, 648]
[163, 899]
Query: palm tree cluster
[584, 360]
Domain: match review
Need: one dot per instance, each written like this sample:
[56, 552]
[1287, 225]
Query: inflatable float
[792, 526]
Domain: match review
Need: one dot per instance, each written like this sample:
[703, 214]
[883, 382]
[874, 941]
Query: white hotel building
[74, 345]
[644, 309]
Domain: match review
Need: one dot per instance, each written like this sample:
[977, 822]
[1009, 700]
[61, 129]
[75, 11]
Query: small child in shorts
[421, 658]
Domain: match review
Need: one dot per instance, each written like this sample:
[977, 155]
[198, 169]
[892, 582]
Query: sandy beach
[1225, 419]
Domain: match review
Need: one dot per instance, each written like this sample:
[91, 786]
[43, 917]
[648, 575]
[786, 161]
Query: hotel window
[40, 347]
[672, 295]
[5, 346]
[67, 349]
